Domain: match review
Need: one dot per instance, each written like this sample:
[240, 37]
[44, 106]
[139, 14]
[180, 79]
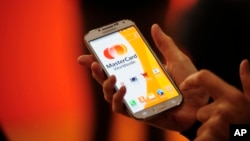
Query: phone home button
[159, 108]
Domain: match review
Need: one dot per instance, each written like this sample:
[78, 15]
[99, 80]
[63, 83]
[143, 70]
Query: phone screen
[126, 55]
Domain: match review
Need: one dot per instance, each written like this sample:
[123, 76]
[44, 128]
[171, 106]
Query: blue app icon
[160, 92]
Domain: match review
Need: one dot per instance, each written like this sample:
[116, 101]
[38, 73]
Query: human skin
[179, 66]
[229, 106]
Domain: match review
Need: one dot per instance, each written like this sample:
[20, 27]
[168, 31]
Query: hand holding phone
[122, 51]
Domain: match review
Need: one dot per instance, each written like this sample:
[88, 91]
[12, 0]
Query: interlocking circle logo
[114, 51]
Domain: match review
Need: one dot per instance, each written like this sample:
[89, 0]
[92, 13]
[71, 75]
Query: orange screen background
[45, 95]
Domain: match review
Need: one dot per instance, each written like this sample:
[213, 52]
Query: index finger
[211, 83]
[245, 76]
[163, 42]
[86, 60]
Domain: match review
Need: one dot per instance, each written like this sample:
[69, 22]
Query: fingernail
[181, 86]
[248, 66]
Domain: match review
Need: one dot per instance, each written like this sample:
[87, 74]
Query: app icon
[122, 83]
[160, 92]
[142, 99]
[151, 96]
[134, 79]
[132, 103]
[156, 70]
[144, 74]
[170, 88]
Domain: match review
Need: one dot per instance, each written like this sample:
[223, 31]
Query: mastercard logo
[114, 51]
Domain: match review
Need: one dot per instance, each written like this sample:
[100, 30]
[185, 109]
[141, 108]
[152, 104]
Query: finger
[213, 129]
[98, 73]
[163, 42]
[117, 104]
[216, 108]
[86, 60]
[204, 113]
[108, 88]
[213, 85]
[245, 76]
[178, 64]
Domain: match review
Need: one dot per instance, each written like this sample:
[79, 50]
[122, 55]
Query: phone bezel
[115, 27]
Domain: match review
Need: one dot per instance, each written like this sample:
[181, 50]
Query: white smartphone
[122, 51]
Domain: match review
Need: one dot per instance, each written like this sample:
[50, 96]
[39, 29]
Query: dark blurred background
[46, 95]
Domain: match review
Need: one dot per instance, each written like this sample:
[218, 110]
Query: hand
[230, 105]
[178, 65]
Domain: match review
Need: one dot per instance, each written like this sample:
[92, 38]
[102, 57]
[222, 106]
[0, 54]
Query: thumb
[164, 43]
